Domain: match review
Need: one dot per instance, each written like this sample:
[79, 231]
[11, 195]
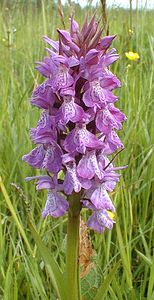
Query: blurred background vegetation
[23, 274]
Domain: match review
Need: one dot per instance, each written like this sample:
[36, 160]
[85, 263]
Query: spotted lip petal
[56, 205]
[71, 181]
[60, 78]
[100, 198]
[53, 158]
[35, 157]
[88, 166]
[45, 131]
[69, 111]
[100, 220]
[79, 139]
[43, 96]
[106, 121]
[96, 96]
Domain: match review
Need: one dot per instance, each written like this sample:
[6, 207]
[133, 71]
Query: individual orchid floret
[97, 97]
[43, 96]
[100, 220]
[88, 166]
[56, 205]
[109, 118]
[53, 158]
[79, 139]
[45, 157]
[69, 111]
[99, 197]
[57, 72]
[71, 181]
[45, 132]
[35, 157]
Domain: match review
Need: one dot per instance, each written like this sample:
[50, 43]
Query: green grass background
[22, 271]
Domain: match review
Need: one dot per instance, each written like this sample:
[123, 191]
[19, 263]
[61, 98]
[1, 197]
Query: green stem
[72, 255]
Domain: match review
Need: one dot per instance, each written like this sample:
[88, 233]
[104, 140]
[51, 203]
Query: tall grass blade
[151, 282]
[51, 265]
[106, 283]
[14, 215]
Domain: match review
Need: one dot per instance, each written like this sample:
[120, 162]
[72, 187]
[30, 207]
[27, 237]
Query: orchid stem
[72, 255]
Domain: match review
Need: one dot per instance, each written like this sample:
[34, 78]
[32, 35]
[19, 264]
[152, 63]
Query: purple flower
[111, 142]
[43, 182]
[109, 118]
[69, 111]
[53, 158]
[45, 132]
[55, 206]
[100, 220]
[79, 139]
[88, 166]
[43, 96]
[76, 132]
[35, 157]
[72, 180]
[99, 197]
[96, 96]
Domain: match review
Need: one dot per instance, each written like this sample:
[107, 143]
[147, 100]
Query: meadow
[23, 274]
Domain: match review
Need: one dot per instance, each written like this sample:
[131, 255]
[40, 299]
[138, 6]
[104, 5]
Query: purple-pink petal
[79, 139]
[35, 157]
[53, 158]
[71, 181]
[100, 198]
[88, 166]
[100, 220]
[43, 182]
[69, 111]
[55, 206]
[43, 96]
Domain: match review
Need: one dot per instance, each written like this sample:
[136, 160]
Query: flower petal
[99, 220]
[35, 157]
[53, 158]
[55, 206]
[88, 166]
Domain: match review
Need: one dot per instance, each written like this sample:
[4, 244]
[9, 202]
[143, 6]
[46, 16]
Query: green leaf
[106, 283]
[54, 271]
[90, 283]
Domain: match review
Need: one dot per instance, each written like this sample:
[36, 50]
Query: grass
[22, 271]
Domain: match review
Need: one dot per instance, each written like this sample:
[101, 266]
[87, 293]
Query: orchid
[78, 117]
[77, 130]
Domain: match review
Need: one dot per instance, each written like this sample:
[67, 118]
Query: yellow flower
[111, 215]
[132, 55]
[130, 31]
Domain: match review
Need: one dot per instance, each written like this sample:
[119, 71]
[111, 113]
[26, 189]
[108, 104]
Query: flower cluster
[76, 130]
